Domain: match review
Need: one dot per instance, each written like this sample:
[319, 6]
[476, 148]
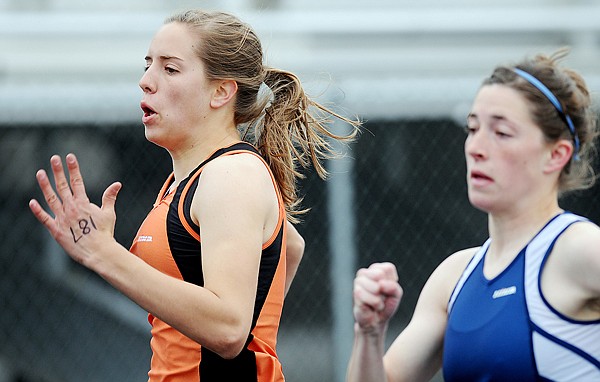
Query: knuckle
[62, 186]
[51, 199]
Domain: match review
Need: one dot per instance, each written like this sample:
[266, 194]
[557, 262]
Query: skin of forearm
[195, 311]
[366, 363]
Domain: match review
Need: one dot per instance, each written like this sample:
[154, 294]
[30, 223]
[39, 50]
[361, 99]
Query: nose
[147, 83]
[475, 144]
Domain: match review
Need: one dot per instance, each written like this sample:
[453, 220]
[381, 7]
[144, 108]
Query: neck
[511, 231]
[186, 159]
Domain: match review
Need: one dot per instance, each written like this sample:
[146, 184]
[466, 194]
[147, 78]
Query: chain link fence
[61, 323]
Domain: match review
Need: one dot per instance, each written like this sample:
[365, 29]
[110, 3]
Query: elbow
[230, 343]
[229, 349]
[295, 243]
[295, 249]
[300, 245]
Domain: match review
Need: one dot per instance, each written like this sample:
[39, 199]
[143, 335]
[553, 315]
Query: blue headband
[552, 98]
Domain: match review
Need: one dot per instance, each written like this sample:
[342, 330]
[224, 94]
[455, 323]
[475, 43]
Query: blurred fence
[61, 323]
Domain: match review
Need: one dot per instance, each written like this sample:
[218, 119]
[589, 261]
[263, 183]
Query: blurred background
[409, 68]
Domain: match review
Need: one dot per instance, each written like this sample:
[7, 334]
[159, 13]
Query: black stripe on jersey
[239, 369]
[185, 249]
[186, 252]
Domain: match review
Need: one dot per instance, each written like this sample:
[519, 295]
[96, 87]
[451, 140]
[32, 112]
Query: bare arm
[235, 220]
[570, 279]
[416, 354]
[377, 295]
[218, 315]
[585, 238]
[294, 253]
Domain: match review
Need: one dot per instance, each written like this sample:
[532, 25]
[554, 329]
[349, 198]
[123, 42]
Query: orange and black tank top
[169, 240]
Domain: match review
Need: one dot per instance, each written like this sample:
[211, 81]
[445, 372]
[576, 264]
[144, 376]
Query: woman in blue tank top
[525, 306]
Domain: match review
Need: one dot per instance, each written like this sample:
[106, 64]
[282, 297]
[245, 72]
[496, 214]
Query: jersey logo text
[504, 292]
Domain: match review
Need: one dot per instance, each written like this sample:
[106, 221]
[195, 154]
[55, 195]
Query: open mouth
[148, 111]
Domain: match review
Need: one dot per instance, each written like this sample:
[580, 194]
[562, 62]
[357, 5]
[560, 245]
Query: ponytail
[293, 133]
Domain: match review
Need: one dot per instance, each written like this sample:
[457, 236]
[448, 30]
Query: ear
[560, 155]
[224, 91]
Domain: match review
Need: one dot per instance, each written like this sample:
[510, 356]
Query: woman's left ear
[560, 155]
[225, 90]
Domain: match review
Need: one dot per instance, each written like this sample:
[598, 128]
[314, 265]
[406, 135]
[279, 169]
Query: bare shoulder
[236, 183]
[453, 266]
[242, 164]
[442, 281]
[461, 258]
[574, 265]
[581, 236]
[237, 174]
[580, 245]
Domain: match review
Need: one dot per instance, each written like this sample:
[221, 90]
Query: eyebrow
[164, 57]
[494, 117]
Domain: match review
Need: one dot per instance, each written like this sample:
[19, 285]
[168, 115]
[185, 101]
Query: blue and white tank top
[503, 329]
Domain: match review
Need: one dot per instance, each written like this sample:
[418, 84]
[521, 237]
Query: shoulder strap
[467, 272]
[537, 253]
[185, 201]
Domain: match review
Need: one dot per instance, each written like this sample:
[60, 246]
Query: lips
[149, 113]
[479, 178]
[479, 175]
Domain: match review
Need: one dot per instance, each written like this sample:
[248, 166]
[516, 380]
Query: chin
[151, 136]
[481, 203]
[148, 134]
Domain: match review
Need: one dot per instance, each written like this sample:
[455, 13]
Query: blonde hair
[286, 126]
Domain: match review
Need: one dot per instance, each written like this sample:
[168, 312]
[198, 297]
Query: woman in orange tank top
[209, 263]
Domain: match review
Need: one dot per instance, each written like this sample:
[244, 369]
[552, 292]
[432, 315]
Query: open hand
[79, 226]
